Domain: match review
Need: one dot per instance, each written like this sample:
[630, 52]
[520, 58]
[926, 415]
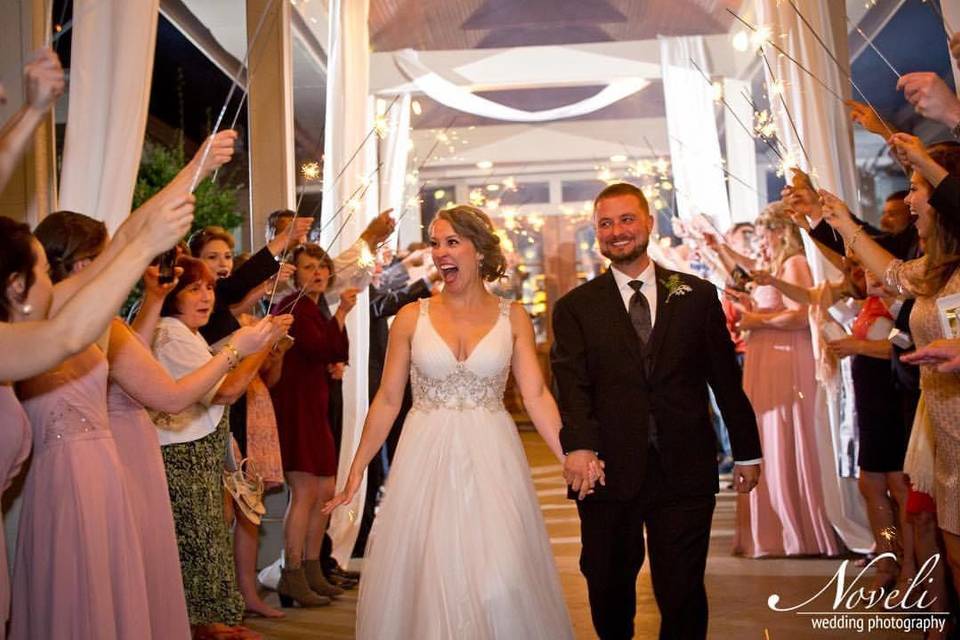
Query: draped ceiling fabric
[110, 71]
[393, 182]
[348, 120]
[692, 126]
[450, 95]
[825, 132]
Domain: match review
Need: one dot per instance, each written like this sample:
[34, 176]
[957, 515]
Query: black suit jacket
[608, 387]
[384, 304]
[903, 244]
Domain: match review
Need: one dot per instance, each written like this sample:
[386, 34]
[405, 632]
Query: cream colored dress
[941, 391]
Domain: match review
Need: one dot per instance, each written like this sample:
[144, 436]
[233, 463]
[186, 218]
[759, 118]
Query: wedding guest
[933, 276]
[76, 525]
[786, 515]
[882, 433]
[193, 443]
[300, 400]
[32, 344]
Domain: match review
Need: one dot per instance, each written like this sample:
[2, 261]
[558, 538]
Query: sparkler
[874, 47]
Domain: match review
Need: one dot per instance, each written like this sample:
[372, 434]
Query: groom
[633, 353]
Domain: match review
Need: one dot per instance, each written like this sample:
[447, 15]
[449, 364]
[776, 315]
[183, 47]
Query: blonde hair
[776, 217]
[474, 225]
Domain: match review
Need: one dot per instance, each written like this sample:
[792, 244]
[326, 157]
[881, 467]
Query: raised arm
[800, 295]
[872, 256]
[237, 381]
[135, 369]
[539, 402]
[386, 404]
[794, 316]
[175, 192]
[44, 82]
[30, 348]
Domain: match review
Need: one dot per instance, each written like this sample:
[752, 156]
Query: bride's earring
[26, 309]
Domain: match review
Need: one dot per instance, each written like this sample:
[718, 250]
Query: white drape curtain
[450, 95]
[395, 154]
[692, 126]
[741, 153]
[825, 131]
[110, 73]
[349, 117]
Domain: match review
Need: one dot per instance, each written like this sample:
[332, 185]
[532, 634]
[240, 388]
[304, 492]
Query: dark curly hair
[17, 258]
[474, 225]
[69, 237]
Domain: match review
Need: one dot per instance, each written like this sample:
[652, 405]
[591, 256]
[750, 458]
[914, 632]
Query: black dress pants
[677, 541]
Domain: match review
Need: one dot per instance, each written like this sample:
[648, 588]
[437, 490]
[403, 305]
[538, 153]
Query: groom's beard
[639, 250]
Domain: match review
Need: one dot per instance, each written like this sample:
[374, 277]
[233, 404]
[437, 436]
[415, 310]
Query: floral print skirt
[195, 479]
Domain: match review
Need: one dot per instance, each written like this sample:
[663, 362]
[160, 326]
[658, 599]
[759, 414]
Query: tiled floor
[738, 588]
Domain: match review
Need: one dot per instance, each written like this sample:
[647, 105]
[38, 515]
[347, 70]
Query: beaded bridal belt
[461, 390]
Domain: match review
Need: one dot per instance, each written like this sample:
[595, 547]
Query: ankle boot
[317, 581]
[293, 587]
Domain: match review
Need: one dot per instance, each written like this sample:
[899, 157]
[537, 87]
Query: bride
[459, 548]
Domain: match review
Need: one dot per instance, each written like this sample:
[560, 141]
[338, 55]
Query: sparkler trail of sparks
[783, 102]
[789, 57]
[724, 102]
[874, 47]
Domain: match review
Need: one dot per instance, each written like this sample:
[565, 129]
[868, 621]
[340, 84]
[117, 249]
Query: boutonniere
[675, 287]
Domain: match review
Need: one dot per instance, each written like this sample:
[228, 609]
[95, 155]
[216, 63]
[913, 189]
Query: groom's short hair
[621, 189]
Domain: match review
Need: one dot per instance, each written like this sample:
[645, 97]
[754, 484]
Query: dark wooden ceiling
[471, 24]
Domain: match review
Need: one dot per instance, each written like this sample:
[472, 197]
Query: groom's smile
[623, 228]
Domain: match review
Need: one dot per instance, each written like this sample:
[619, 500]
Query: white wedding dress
[459, 549]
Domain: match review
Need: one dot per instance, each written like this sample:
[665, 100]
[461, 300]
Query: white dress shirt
[649, 291]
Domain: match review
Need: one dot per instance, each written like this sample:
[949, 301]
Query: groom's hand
[582, 469]
[746, 477]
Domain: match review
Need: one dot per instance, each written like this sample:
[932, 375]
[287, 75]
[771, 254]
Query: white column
[110, 72]
[824, 129]
[348, 119]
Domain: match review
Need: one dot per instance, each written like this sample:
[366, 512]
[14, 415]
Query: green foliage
[216, 203]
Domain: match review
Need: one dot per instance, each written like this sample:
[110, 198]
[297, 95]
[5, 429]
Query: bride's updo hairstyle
[474, 225]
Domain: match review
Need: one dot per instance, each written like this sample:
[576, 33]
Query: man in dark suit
[634, 351]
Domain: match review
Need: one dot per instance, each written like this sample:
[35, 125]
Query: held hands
[44, 80]
[762, 278]
[942, 354]
[930, 96]
[910, 150]
[868, 119]
[151, 283]
[378, 230]
[746, 477]
[165, 226]
[801, 198]
[348, 300]
[345, 496]
[336, 370]
[835, 212]
[582, 469]
[844, 347]
[221, 152]
[253, 338]
[294, 234]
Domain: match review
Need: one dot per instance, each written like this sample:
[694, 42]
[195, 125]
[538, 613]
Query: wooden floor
[738, 588]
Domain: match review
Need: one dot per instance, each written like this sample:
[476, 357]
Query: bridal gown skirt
[459, 548]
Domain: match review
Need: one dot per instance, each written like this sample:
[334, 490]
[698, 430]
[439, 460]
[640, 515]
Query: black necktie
[640, 318]
[640, 312]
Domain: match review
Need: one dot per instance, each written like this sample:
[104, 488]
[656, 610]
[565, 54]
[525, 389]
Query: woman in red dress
[300, 400]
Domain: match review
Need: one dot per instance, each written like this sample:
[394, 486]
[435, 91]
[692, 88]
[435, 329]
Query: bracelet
[233, 355]
[854, 238]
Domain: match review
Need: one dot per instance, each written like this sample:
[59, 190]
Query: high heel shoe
[318, 582]
[293, 587]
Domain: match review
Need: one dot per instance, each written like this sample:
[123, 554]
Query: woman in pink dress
[785, 515]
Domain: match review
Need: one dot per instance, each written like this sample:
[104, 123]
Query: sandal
[246, 487]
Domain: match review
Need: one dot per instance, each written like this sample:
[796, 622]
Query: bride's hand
[345, 496]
